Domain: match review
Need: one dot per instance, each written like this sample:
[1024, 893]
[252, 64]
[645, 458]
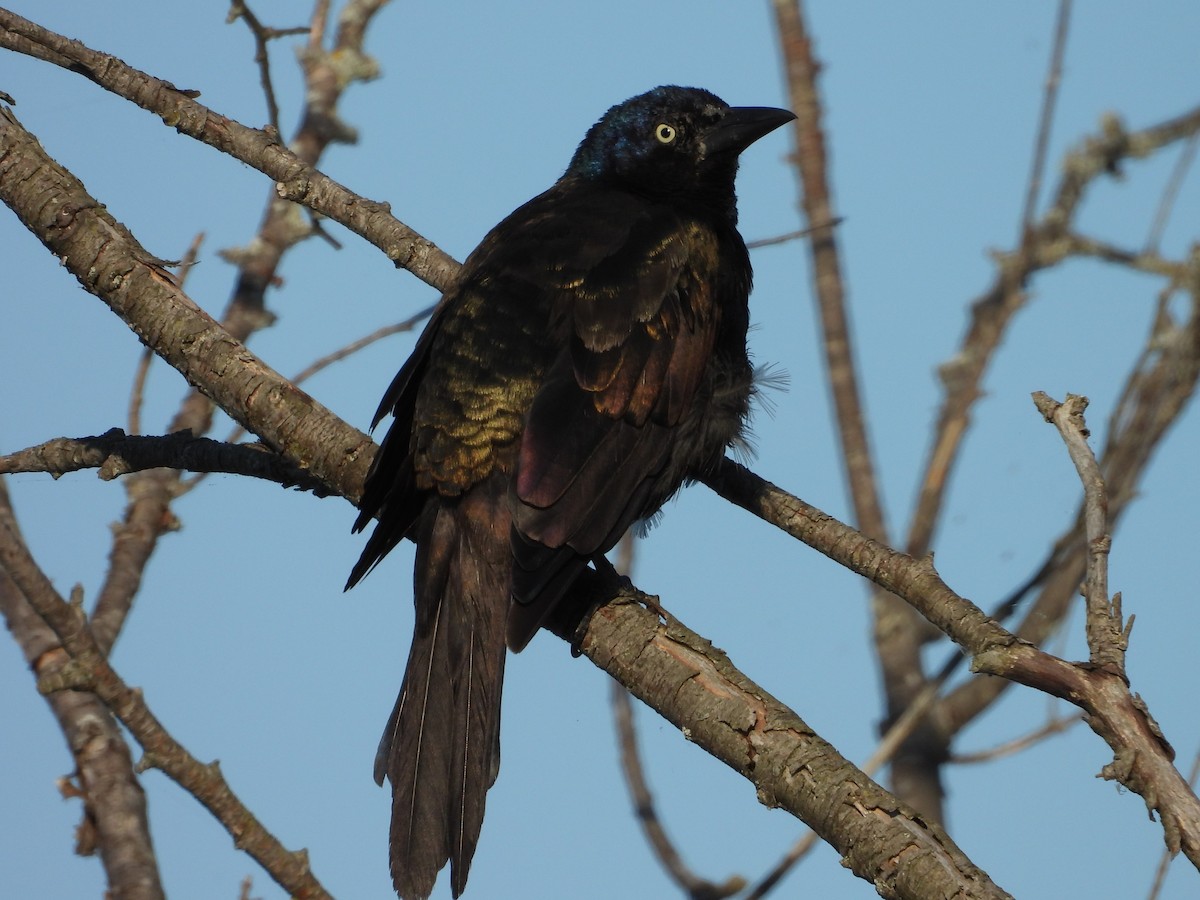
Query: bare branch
[1107, 635]
[262, 36]
[1171, 193]
[792, 235]
[643, 806]
[109, 262]
[694, 685]
[1046, 120]
[89, 670]
[115, 454]
[1055, 725]
[1156, 393]
[115, 817]
[295, 179]
[1148, 261]
[1143, 758]
[1047, 242]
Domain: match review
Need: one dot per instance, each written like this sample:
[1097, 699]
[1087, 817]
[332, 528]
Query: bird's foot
[620, 585]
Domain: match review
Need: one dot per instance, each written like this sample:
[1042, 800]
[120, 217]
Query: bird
[589, 359]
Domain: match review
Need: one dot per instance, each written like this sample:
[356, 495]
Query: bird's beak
[742, 126]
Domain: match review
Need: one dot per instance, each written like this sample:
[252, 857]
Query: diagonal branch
[695, 686]
[89, 670]
[116, 822]
[1143, 759]
[110, 263]
[296, 179]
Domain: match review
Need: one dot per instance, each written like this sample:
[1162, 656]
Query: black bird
[588, 361]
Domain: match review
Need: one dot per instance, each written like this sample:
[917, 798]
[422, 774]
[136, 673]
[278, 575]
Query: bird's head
[673, 141]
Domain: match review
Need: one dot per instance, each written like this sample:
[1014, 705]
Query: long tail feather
[441, 747]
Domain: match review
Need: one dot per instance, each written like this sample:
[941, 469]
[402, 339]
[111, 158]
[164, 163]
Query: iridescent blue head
[673, 140]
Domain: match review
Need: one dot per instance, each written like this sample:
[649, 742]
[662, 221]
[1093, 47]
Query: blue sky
[241, 638]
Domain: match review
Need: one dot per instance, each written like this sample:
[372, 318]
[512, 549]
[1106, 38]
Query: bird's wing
[637, 330]
[389, 490]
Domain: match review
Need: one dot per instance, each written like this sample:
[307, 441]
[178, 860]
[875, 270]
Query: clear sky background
[241, 638]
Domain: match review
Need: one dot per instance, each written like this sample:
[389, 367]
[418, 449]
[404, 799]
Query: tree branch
[296, 179]
[115, 454]
[695, 686]
[110, 263]
[89, 670]
[115, 817]
[1155, 395]
[1047, 242]
[1143, 758]
[1107, 635]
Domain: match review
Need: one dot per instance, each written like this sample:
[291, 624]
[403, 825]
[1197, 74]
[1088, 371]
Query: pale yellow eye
[665, 133]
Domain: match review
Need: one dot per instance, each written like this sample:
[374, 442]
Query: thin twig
[697, 888]
[1171, 193]
[262, 35]
[991, 314]
[115, 453]
[792, 235]
[137, 392]
[1041, 142]
[1056, 725]
[1107, 635]
[323, 363]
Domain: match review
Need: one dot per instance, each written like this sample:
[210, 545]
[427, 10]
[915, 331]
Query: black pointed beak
[742, 126]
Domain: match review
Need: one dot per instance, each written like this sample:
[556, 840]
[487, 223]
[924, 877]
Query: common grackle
[588, 361]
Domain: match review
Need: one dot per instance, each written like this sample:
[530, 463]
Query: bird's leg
[609, 574]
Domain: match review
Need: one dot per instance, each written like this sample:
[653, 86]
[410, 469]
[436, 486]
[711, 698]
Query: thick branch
[110, 263]
[694, 685]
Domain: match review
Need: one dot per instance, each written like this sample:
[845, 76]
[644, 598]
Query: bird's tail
[441, 747]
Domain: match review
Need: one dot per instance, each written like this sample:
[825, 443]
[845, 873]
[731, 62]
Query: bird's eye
[665, 133]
